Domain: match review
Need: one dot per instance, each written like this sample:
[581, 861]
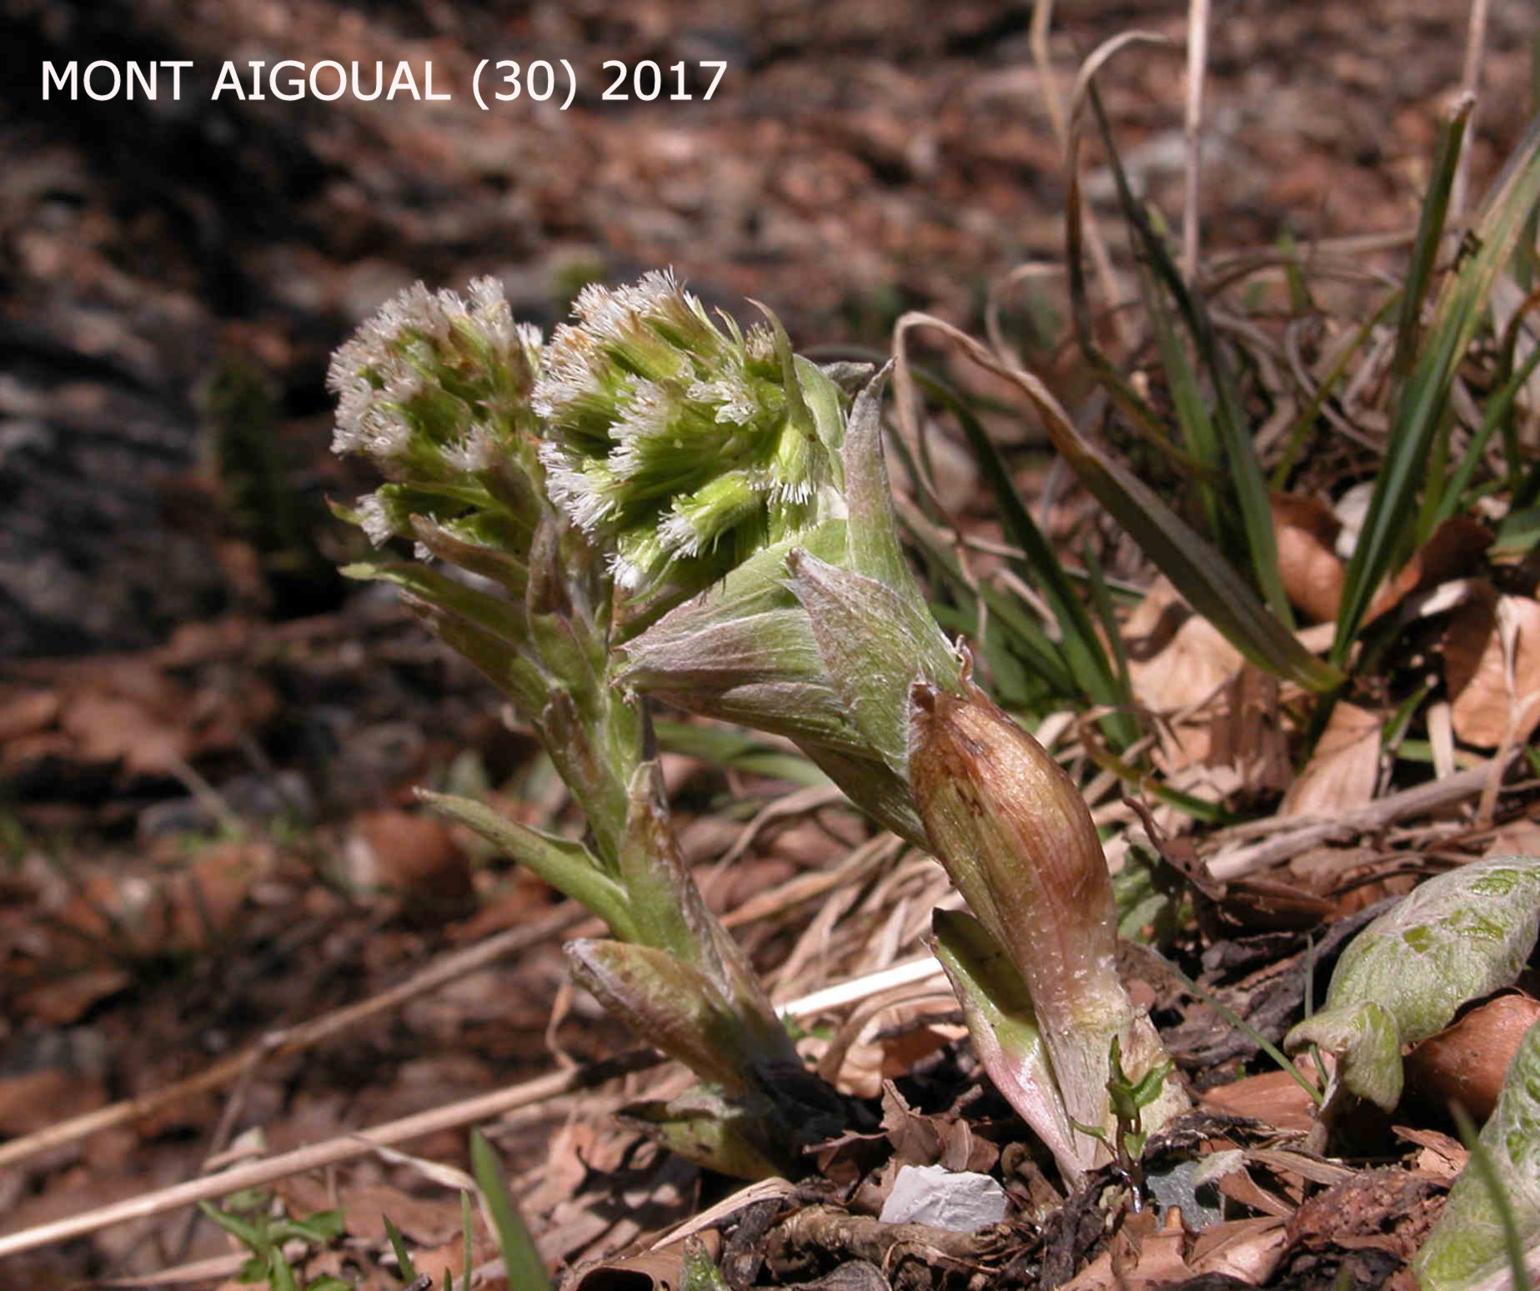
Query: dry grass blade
[298, 1038]
[344, 1147]
[1197, 60]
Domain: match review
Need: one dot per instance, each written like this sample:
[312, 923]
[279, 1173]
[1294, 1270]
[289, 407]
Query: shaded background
[859, 158]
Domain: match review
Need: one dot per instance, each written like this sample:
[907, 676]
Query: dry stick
[1470, 84]
[294, 1039]
[1101, 258]
[1197, 61]
[1375, 815]
[345, 1147]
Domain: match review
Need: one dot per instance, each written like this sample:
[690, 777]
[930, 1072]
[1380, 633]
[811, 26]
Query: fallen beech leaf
[1247, 1249]
[659, 1270]
[1176, 659]
[1341, 773]
[1467, 1061]
[1492, 669]
[1140, 1257]
[66, 999]
[1274, 1097]
[411, 855]
[34, 1099]
[26, 712]
[107, 728]
[1305, 530]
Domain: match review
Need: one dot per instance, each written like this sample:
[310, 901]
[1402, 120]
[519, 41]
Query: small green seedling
[249, 1218]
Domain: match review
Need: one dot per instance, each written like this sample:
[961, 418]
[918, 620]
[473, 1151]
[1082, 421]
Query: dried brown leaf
[1466, 1062]
[1492, 669]
[1305, 530]
[1342, 772]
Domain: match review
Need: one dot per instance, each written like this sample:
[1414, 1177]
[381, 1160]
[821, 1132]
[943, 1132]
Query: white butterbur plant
[440, 392]
[660, 505]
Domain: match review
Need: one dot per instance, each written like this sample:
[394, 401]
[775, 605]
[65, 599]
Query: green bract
[681, 445]
[1457, 937]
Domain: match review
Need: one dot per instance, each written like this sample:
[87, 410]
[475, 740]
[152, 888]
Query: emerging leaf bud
[1018, 841]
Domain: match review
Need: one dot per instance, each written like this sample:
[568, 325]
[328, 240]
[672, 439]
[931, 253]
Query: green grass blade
[1388, 533]
[1036, 649]
[1192, 414]
[1081, 647]
[1248, 485]
[1499, 407]
[1430, 231]
[1480, 1161]
[521, 1260]
[470, 1252]
[1294, 442]
[403, 1256]
[1101, 602]
[1199, 572]
[1244, 1027]
[730, 746]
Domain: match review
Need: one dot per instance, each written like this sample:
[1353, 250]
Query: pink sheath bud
[1018, 841]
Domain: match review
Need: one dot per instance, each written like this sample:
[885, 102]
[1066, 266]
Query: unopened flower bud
[674, 440]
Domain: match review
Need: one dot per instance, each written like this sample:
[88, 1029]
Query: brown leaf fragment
[1305, 530]
[33, 1099]
[1273, 1097]
[1492, 669]
[1176, 659]
[1467, 1061]
[1247, 1249]
[658, 1270]
[1140, 1256]
[1439, 1156]
[26, 712]
[1454, 551]
[1341, 774]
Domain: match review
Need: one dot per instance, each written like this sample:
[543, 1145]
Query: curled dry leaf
[1341, 773]
[1305, 530]
[1467, 1061]
[1492, 669]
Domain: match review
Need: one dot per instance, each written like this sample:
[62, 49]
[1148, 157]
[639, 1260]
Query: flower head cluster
[436, 390]
[675, 440]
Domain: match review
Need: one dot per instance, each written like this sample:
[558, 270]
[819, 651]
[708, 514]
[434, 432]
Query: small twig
[482, 1107]
[344, 1147]
[1197, 62]
[1308, 833]
[1470, 85]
